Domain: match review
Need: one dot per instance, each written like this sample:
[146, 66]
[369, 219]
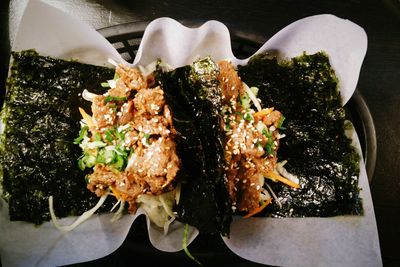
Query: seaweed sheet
[192, 93]
[37, 156]
[316, 148]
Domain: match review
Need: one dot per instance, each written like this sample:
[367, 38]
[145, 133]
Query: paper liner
[53, 33]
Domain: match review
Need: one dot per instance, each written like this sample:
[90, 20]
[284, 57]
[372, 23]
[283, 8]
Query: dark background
[379, 84]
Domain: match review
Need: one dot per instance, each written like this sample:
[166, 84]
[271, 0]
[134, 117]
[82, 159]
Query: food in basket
[196, 144]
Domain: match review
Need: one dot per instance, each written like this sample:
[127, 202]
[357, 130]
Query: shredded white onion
[264, 195]
[280, 136]
[274, 196]
[155, 209]
[88, 96]
[282, 171]
[252, 97]
[112, 83]
[119, 212]
[177, 193]
[116, 204]
[85, 216]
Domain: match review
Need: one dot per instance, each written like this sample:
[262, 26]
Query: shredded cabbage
[159, 208]
[85, 216]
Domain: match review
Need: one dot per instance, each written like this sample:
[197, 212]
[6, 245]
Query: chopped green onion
[109, 135]
[120, 135]
[244, 101]
[102, 157]
[105, 85]
[184, 245]
[97, 137]
[269, 146]
[96, 144]
[81, 164]
[254, 90]
[145, 139]
[82, 134]
[120, 163]
[115, 98]
[228, 126]
[86, 161]
[248, 117]
[280, 122]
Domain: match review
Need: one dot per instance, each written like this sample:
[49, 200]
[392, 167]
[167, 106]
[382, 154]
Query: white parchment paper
[347, 241]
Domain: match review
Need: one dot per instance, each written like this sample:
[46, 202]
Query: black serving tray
[210, 250]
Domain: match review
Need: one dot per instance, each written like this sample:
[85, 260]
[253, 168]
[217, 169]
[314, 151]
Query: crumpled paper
[343, 241]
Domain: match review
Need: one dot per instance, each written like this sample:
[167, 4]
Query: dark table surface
[379, 84]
